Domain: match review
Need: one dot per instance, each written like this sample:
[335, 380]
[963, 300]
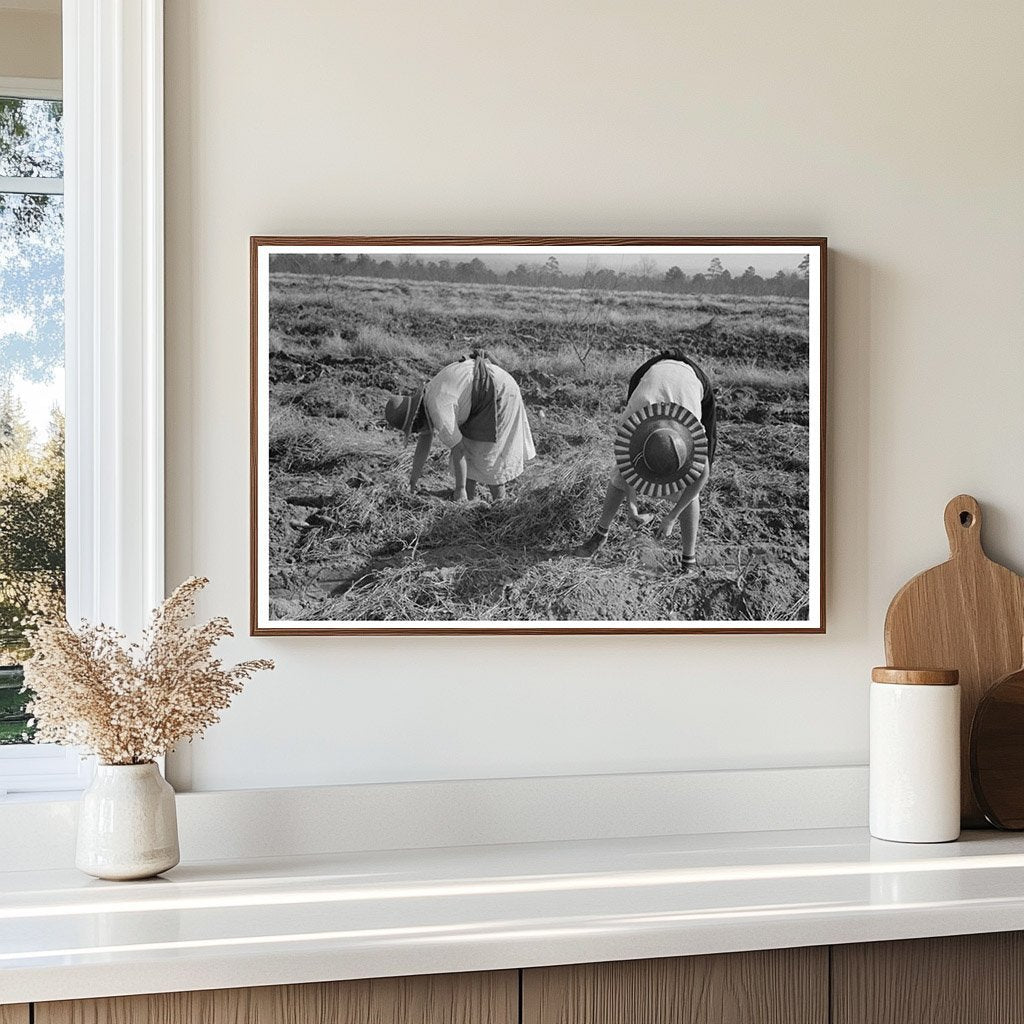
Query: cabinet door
[779, 986]
[14, 1014]
[962, 979]
[490, 998]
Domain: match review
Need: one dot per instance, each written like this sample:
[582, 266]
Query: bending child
[665, 446]
[475, 409]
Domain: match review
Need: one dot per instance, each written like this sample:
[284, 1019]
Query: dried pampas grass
[129, 703]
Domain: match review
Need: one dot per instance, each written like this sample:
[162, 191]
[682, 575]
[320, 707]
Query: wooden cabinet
[491, 998]
[970, 979]
[779, 986]
[963, 979]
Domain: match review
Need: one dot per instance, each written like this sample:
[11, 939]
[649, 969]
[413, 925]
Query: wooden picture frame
[355, 317]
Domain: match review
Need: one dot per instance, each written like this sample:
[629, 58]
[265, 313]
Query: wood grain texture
[14, 1014]
[997, 752]
[915, 676]
[967, 614]
[778, 986]
[962, 979]
[483, 998]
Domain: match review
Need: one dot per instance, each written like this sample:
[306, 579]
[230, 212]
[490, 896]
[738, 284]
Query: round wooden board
[997, 752]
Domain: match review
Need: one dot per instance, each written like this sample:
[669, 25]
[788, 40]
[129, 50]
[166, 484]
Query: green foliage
[31, 548]
[31, 523]
[14, 726]
[31, 475]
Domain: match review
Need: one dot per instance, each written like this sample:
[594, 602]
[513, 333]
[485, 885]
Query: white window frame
[114, 265]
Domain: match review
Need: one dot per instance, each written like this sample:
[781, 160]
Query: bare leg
[460, 471]
[613, 498]
[470, 488]
[688, 523]
[497, 491]
[686, 510]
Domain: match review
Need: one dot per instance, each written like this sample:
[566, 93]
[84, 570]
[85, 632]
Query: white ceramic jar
[127, 823]
[915, 755]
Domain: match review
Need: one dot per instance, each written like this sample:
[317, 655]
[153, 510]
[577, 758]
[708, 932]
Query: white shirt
[448, 400]
[668, 381]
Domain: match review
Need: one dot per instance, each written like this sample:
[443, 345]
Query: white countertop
[351, 915]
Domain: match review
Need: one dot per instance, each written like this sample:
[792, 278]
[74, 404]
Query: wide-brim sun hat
[661, 448]
[400, 411]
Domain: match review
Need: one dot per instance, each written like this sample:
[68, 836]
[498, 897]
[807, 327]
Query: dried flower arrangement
[130, 703]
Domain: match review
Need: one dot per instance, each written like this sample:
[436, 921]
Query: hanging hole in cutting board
[966, 519]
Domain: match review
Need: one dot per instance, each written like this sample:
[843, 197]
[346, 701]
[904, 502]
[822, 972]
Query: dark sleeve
[708, 406]
[709, 417]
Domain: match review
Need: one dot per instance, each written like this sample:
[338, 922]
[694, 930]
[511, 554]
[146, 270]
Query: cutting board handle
[963, 527]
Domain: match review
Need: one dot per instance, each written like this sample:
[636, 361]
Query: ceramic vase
[127, 825]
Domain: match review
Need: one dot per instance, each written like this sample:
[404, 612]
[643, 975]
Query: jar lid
[916, 676]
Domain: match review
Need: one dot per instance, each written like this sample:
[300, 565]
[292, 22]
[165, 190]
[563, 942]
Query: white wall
[895, 129]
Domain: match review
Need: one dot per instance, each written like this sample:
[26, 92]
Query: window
[32, 530]
[112, 212]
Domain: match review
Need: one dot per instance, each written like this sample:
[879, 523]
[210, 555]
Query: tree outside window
[32, 541]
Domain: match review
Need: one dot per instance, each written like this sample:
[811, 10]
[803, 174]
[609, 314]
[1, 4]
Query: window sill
[43, 771]
[41, 797]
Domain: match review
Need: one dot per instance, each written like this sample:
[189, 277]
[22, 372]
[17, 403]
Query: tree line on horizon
[643, 276]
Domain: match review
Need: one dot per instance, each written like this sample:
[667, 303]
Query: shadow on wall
[852, 288]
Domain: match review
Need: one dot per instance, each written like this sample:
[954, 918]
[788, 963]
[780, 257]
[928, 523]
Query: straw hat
[401, 411]
[661, 448]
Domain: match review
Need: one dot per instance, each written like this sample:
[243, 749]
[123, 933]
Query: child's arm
[419, 459]
[685, 499]
[633, 511]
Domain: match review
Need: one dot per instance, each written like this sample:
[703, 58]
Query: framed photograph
[537, 435]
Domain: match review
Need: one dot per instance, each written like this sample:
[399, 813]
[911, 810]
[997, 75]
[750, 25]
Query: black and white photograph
[537, 435]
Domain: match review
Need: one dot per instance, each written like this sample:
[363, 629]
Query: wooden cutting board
[967, 614]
